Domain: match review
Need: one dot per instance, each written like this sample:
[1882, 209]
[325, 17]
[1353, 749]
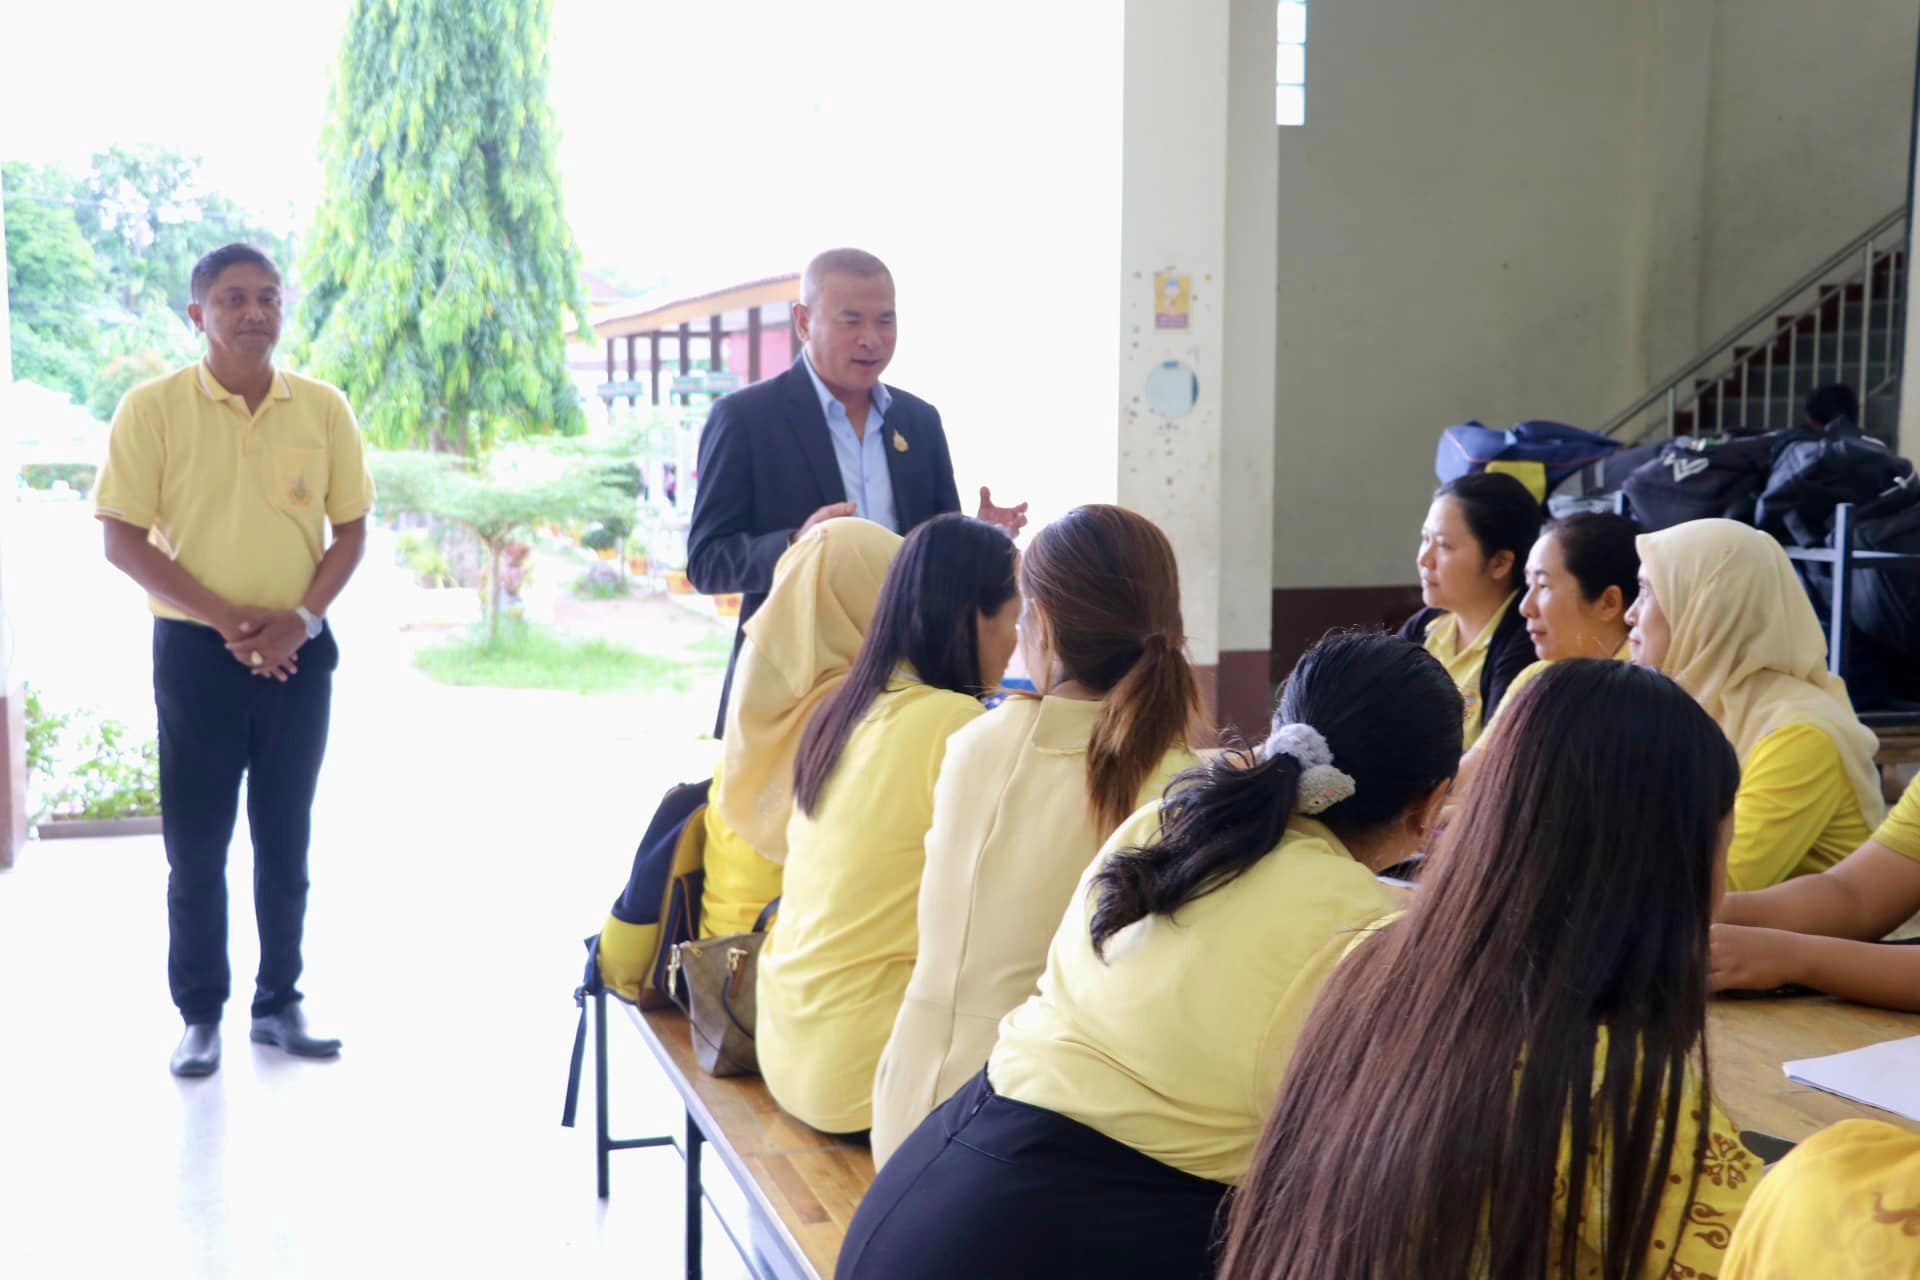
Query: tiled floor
[466, 840]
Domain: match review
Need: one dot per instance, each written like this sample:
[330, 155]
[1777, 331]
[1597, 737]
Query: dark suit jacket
[767, 463]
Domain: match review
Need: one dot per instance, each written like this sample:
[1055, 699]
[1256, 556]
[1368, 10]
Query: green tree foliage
[53, 282]
[499, 498]
[440, 262]
[98, 267]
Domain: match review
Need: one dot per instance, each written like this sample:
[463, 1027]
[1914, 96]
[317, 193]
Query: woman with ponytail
[1029, 792]
[1123, 1099]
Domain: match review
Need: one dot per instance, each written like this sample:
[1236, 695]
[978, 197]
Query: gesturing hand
[1011, 519]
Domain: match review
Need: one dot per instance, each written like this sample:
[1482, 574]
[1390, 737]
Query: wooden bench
[801, 1186]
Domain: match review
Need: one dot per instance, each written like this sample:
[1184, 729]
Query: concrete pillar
[13, 745]
[1198, 319]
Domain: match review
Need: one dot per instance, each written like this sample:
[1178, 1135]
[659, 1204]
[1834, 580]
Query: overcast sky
[698, 141]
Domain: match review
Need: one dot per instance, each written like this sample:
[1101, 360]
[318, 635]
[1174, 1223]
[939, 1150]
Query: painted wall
[1500, 211]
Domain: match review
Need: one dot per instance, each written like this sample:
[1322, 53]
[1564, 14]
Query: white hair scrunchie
[1321, 785]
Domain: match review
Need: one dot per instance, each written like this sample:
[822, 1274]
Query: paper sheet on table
[1885, 1075]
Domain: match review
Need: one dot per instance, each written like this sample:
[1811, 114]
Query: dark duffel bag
[1813, 475]
[1702, 478]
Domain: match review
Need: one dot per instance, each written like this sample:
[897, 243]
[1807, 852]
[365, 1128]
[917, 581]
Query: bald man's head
[846, 318]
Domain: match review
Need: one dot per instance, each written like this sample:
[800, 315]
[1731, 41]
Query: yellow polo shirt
[836, 962]
[1176, 1042]
[1901, 831]
[1533, 671]
[239, 500]
[738, 883]
[1464, 661]
[1795, 813]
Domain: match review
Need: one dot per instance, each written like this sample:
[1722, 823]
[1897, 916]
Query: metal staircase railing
[1841, 322]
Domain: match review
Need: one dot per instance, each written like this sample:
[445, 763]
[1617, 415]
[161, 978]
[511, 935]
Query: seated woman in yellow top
[797, 651]
[1546, 994]
[836, 961]
[1841, 1206]
[1123, 1098]
[1581, 576]
[1473, 548]
[1722, 611]
[1031, 790]
[1819, 931]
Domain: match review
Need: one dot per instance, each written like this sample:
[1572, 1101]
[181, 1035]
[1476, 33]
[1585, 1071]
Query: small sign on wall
[1172, 300]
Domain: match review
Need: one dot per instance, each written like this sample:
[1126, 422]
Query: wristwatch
[310, 618]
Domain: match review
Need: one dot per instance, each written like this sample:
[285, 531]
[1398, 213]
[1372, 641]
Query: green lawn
[534, 657]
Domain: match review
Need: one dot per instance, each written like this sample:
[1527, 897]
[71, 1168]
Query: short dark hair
[1835, 400]
[1502, 514]
[208, 269]
[1601, 551]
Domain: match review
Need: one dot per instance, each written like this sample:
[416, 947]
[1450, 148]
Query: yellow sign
[1172, 300]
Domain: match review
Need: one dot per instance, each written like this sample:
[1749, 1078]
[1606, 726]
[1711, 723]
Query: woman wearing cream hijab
[798, 649]
[1722, 612]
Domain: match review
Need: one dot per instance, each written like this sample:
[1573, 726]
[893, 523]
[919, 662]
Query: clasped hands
[264, 641]
[1010, 520]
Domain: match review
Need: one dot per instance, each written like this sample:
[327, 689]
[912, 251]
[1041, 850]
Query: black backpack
[1815, 473]
[1702, 478]
[1886, 601]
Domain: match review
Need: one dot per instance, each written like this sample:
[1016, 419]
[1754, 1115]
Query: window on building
[1290, 66]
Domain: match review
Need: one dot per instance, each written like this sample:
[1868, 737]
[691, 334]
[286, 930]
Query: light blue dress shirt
[862, 459]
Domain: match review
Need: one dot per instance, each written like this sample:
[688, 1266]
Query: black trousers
[987, 1186]
[218, 723]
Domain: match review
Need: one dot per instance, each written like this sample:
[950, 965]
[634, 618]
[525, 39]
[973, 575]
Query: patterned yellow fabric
[1843, 1205]
[1901, 831]
[1691, 1235]
[239, 499]
[738, 881]
[1795, 812]
[1464, 662]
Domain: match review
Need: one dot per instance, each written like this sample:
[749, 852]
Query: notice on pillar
[1172, 300]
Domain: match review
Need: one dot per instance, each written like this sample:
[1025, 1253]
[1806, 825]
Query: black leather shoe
[287, 1030]
[199, 1051]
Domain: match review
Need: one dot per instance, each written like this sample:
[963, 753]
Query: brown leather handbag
[712, 979]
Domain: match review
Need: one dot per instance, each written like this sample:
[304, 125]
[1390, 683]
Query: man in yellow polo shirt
[219, 485]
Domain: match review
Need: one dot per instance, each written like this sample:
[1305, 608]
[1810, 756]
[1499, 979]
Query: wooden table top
[806, 1184]
[1751, 1040]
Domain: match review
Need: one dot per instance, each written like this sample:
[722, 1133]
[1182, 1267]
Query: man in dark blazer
[824, 439]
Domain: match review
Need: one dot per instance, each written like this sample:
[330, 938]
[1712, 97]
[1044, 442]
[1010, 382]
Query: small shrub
[82, 767]
[78, 476]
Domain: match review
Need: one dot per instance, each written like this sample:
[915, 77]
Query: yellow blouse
[1012, 833]
[738, 881]
[1466, 664]
[1843, 1205]
[1532, 671]
[836, 962]
[1796, 812]
[1176, 1042]
[1901, 831]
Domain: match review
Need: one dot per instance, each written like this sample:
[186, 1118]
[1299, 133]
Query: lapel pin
[899, 442]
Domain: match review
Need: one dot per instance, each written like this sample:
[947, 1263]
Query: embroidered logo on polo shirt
[300, 495]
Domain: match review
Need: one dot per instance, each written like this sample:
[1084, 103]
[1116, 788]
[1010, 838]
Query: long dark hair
[1501, 514]
[1450, 1061]
[1391, 717]
[1600, 551]
[1107, 589]
[949, 571]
